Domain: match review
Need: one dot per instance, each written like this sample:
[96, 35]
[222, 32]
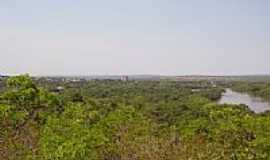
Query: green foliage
[143, 120]
[22, 91]
[70, 136]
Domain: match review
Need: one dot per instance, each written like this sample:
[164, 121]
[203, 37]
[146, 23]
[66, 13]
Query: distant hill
[223, 78]
[131, 77]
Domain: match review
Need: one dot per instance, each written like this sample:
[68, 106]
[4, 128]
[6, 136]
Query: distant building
[124, 78]
[213, 84]
[3, 76]
[58, 89]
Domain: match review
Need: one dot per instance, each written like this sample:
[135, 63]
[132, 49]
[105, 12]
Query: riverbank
[256, 104]
[257, 89]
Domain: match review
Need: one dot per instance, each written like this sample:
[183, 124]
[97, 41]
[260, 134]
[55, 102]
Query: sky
[119, 37]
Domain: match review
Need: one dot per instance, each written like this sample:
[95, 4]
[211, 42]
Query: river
[256, 104]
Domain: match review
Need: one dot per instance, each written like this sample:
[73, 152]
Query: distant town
[149, 77]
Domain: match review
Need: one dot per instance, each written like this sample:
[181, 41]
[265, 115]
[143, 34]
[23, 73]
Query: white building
[124, 78]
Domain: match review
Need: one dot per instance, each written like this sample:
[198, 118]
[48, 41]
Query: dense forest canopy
[133, 120]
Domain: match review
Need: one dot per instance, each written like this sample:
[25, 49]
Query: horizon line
[160, 75]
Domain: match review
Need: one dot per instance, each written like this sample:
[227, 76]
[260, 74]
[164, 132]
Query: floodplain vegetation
[133, 120]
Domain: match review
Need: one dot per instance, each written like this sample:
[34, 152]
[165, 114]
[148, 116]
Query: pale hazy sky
[169, 37]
